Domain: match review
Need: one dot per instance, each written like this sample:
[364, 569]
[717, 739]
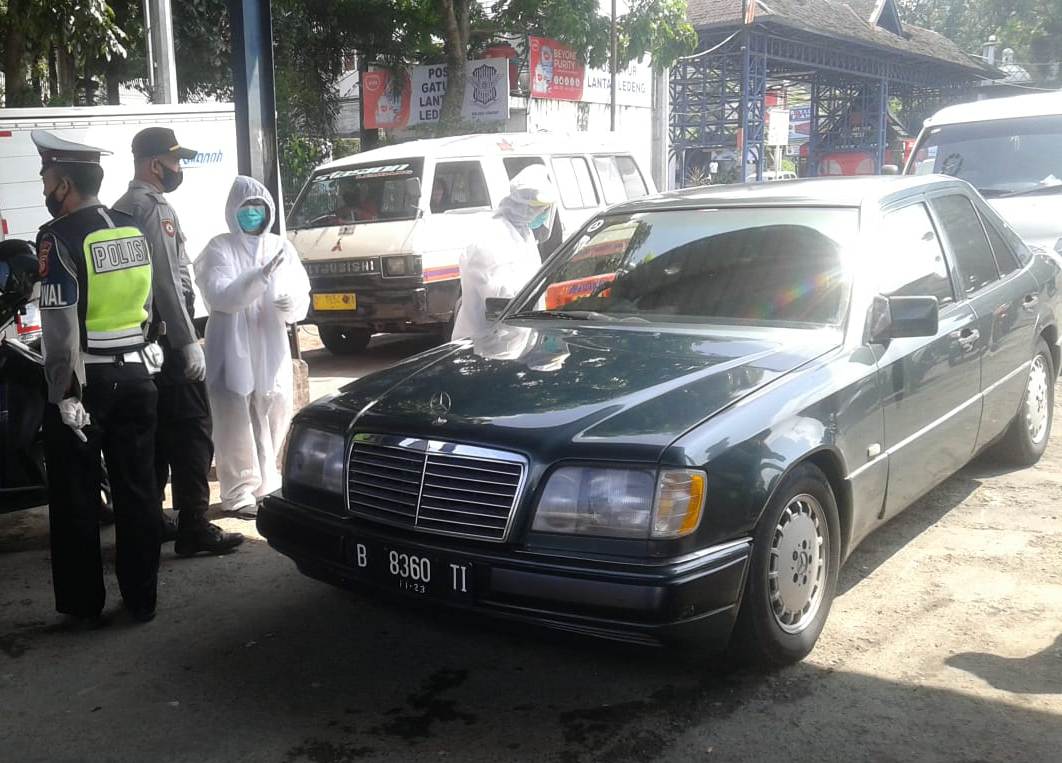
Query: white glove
[283, 303]
[75, 416]
[194, 362]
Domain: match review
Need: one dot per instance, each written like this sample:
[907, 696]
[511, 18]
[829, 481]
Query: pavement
[944, 644]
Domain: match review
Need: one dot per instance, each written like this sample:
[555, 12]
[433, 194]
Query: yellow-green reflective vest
[118, 277]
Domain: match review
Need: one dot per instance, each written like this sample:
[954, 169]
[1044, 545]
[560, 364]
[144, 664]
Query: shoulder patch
[169, 227]
[43, 251]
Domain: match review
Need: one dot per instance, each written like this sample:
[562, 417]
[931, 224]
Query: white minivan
[1010, 149]
[381, 232]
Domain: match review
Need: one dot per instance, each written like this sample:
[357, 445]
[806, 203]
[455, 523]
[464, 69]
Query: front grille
[435, 487]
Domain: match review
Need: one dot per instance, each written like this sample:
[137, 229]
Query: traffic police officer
[95, 302]
[184, 447]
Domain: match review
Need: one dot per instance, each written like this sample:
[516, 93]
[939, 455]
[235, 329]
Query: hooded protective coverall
[248, 359]
[504, 256]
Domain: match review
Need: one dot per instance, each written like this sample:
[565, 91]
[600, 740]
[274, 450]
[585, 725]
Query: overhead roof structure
[853, 56]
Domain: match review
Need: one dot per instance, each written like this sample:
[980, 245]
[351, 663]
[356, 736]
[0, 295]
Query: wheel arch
[1049, 333]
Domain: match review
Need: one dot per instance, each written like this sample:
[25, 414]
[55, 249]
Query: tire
[342, 340]
[1030, 429]
[781, 617]
[447, 333]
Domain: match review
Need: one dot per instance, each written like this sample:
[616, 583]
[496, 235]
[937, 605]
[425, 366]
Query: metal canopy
[718, 96]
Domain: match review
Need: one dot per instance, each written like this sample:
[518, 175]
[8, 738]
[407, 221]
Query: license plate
[335, 302]
[415, 573]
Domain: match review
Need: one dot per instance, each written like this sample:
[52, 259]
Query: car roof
[829, 192]
[1030, 105]
[515, 144]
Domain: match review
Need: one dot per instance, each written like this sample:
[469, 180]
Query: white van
[1010, 149]
[200, 201]
[380, 233]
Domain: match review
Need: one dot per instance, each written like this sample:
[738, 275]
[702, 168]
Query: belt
[128, 357]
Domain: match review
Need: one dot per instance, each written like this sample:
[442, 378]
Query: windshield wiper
[579, 315]
[1041, 189]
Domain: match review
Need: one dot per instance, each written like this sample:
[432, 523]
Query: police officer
[95, 302]
[184, 447]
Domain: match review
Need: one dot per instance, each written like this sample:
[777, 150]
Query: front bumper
[387, 305]
[691, 600]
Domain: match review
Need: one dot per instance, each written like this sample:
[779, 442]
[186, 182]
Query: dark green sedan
[682, 427]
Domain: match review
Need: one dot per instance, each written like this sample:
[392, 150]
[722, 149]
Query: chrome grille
[434, 486]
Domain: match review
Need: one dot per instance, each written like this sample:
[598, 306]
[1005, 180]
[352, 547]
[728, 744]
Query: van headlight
[622, 503]
[314, 458]
[399, 265]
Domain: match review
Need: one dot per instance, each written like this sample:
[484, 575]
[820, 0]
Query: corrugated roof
[847, 20]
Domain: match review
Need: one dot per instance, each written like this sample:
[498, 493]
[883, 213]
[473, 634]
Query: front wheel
[1026, 437]
[341, 340]
[792, 574]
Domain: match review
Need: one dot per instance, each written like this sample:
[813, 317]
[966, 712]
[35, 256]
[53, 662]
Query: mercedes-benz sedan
[687, 421]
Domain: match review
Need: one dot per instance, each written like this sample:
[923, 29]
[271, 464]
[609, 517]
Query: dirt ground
[945, 644]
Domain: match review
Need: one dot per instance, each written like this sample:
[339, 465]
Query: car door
[1003, 296]
[930, 385]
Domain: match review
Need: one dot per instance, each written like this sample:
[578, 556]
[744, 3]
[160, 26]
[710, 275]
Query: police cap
[159, 141]
[56, 150]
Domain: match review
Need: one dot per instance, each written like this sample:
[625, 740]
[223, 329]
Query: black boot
[205, 538]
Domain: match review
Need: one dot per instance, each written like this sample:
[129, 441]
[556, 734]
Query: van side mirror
[900, 317]
[496, 306]
[890, 169]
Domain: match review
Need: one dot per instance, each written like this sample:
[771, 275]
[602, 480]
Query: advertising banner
[634, 86]
[799, 124]
[420, 98]
[555, 70]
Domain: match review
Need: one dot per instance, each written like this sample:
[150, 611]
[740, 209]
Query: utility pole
[162, 66]
[612, 70]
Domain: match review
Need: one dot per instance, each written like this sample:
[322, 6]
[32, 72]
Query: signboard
[634, 86]
[419, 98]
[778, 127]
[555, 70]
[799, 124]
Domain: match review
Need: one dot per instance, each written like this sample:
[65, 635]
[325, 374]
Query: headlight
[314, 458]
[621, 503]
[401, 265]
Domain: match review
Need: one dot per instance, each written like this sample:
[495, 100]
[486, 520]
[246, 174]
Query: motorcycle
[23, 390]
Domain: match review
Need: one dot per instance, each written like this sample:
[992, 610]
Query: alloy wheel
[798, 565]
[1037, 400]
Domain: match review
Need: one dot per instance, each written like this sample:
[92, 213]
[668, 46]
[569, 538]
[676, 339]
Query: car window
[611, 181]
[962, 228]
[361, 193]
[458, 185]
[1006, 261]
[750, 266]
[915, 265]
[514, 164]
[574, 182]
[633, 181]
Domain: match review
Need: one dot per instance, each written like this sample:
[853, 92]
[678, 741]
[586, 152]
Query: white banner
[634, 86]
[486, 91]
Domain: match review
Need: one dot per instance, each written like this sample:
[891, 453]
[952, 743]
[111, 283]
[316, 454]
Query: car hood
[558, 389]
[1034, 218]
[354, 240]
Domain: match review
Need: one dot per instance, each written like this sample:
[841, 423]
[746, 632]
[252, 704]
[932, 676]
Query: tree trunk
[18, 91]
[455, 15]
[67, 77]
[53, 74]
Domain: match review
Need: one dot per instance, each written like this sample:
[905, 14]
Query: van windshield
[363, 193]
[998, 157]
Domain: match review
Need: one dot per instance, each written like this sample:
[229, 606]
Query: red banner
[385, 105]
[555, 70]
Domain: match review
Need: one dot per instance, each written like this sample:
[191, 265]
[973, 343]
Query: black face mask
[171, 179]
[55, 207]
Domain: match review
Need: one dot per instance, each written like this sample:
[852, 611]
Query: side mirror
[496, 306]
[900, 317]
[890, 169]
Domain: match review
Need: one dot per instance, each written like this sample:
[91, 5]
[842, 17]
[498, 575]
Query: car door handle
[968, 338]
[1030, 302]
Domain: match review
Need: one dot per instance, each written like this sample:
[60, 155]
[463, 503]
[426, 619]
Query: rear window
[574, 182]
[364, 193]
[620, 178]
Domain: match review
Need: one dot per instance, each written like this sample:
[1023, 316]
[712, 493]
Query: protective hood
[245, 189]
[529, 192]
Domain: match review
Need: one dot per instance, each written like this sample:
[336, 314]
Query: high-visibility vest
[118, 280]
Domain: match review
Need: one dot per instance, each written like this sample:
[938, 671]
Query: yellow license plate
[335, 302]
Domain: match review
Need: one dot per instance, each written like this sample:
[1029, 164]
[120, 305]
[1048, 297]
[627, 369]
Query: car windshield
[761, 266]
[363, 193]
[997, 157]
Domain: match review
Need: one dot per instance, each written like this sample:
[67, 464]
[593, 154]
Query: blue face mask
[539, 220]
[251, 219]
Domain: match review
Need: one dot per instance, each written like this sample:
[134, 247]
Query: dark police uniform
[95, 302]
[184, 448]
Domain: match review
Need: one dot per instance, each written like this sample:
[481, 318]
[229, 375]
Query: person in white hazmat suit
[505, 256]
[254, 285]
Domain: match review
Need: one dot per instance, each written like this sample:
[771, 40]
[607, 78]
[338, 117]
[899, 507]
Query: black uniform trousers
[121, 401]
[184, 449]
